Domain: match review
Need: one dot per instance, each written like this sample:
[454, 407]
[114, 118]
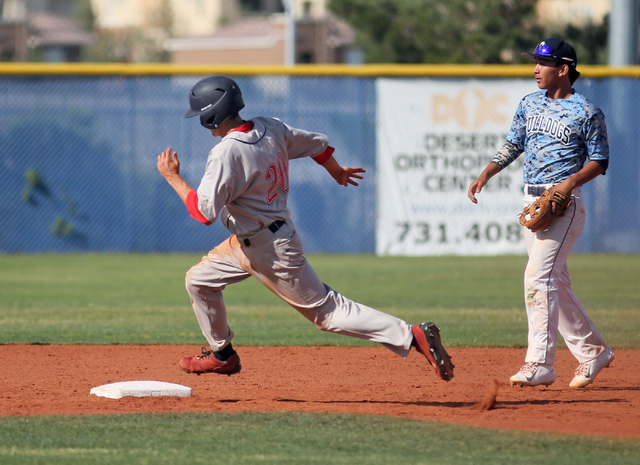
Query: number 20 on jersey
[278, 175]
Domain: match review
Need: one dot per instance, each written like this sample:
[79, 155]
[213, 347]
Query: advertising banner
[434, 137]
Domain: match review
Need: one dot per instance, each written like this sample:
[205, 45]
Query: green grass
[293, 438]
[120, 298]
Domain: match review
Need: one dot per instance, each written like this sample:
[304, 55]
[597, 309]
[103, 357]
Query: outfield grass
[119, 298]
[292, 438]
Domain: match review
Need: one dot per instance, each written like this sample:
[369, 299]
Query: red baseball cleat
[208, 363]
[427, 338]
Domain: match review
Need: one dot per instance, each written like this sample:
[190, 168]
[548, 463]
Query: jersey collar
[245, 127]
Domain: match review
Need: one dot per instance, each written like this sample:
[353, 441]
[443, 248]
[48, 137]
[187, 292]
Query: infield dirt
[56, 380]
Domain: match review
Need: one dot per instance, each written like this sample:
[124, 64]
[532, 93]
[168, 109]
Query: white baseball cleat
[534, 374]
[587, 372]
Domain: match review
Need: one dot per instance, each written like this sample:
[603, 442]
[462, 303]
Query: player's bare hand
[347, 175]
[343, 175]
[168, 166]
[475, 188]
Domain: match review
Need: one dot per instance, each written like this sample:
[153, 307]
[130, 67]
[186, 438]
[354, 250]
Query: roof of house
[50, 29]
[259, 32]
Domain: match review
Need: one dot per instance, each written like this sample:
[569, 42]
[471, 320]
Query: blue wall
[78, 168]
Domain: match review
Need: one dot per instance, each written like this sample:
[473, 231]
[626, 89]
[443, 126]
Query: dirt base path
[56, 380]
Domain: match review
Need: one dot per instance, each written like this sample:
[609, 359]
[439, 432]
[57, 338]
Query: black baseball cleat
[426, 339]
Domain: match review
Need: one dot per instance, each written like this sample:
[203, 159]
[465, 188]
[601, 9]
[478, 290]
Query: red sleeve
[324, 156]
[192, 206]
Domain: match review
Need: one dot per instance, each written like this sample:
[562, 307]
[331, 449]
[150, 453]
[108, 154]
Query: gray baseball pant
[277, 261]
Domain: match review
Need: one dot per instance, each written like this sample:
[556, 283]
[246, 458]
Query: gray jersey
[246, 182]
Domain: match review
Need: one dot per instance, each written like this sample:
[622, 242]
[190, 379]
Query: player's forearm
[490, 171]
[588, 172]
[181, 186]
[333, 167]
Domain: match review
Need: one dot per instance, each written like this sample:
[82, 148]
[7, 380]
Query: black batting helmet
[214, 99]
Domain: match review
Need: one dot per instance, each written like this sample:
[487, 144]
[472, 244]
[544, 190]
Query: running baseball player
[246, 184]
[564, 141]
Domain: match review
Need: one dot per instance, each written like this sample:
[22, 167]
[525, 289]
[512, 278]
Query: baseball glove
[539, 214]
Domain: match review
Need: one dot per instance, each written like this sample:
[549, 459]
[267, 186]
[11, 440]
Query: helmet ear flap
[208, 121]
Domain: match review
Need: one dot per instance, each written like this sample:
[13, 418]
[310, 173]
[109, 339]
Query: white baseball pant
[277, 261]
[552, 306]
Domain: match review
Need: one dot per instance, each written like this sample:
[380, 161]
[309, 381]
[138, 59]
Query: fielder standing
[564, 141]
[246, 184]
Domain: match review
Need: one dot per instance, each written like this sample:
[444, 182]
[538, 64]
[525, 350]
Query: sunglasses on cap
[555, 49]
[544, 49]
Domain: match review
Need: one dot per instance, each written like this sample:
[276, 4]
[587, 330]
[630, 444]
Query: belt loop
[259, 237]
[276, 225]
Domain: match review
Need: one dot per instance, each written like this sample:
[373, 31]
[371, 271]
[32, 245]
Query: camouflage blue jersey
[557, 137]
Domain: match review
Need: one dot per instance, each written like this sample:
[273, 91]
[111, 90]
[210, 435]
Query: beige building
[259, 41]
[319, 38]
[577, 12]
[215, 31]
[191, 18]
[33, 30]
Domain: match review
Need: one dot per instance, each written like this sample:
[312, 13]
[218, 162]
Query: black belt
[535, 191]
[273, 227]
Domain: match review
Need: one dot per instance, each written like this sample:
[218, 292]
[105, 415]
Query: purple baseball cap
[554, 49]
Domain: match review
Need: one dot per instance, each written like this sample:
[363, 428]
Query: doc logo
[470, 108]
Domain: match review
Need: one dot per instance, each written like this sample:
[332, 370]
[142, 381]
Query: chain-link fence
[613, 221]
[79, 162]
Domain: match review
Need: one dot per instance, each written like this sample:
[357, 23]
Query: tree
[432, 31]
[84, 14]
[590, 41]
[131, 44]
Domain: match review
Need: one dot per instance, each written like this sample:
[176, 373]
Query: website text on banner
[434, 137]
